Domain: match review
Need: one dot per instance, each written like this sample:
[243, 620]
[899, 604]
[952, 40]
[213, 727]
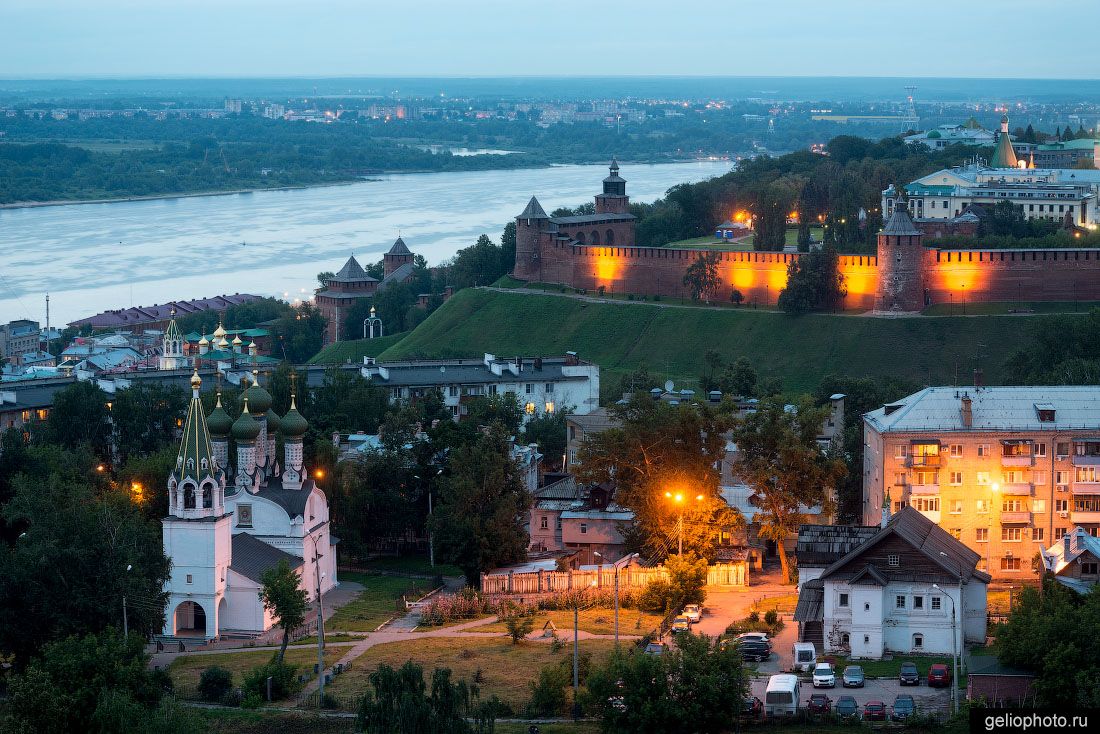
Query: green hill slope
[355, 349]
[672, 341]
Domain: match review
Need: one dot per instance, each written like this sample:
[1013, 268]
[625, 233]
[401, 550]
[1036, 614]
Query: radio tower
[912, 108]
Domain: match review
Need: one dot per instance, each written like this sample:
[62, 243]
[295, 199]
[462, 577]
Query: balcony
[1092, 488]
[1018, 489]
[915, 489]
[1086, 459]
[933, 515]
[1015, 518]
[1017, 460]
[1079, 518]
[931, 461]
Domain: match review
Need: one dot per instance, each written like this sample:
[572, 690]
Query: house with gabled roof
[1074, 561]
[910, 588]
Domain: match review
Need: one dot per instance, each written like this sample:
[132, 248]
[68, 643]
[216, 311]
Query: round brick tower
[531, 225]
[900, 284]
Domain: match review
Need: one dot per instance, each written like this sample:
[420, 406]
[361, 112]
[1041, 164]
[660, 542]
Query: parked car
[824, 676]
[656, 648]
[781, 698]
[681, 624]
[804, 655]
[874, 711]
[755, 650]
[819, 703]
[752, 708]
[760, 636]
[853, 677]
[693, 612]
[847, 709]
[909, 676]
[939, 676]
[904, 707]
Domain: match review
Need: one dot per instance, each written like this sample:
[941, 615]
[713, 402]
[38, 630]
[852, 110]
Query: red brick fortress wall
[969, 276]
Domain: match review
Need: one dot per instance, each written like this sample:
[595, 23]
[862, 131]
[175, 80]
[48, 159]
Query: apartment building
[1006, 470]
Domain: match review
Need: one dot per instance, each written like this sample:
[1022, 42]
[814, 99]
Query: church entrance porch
[190, 620]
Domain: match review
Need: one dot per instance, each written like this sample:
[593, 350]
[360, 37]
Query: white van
[804, 656]
[782, 696]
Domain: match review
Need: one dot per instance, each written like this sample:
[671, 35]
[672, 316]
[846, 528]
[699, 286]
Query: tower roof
[614, 176]
[293, 424]
[352, 271]
[219, 422]
[258, 398]
[534, 210]
[899, 222]
[1003, 155]
[195, 459]
[173, 331]
[245, 428]
[399, 248]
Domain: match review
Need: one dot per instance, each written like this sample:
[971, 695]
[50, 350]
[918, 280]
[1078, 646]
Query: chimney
[967, 411]
[1066, 545]
[978, 377]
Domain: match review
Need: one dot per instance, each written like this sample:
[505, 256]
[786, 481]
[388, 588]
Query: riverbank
[188, 195]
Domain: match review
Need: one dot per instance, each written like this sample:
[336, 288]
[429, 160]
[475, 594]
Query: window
[1059, 533]
[926, 504]
[983, 450]
[493, 389]
[244, 516]
[956, 533]
[936, 603]
[956, 477]
[1038, 505]
[1008, 563]
[1014, 476]
[1040, 449]
[529, 408]
[982, 477]
[918, 641]
[1061, 477]
[899, 479]
[558, 524]
[982, 506]
[893, 561]
[572, 456]
[1086, 474]
[188, 578]
[1039, 478]
[1012, 505]
[900, 451]
[584, 528]
[843, 600]
[544, 524]
[845, 639]
[981, 535]
[924, 477]
[528, 388]
[452, 390]
[1062, 449]
[1037, 534]
[1089, 568]
[550, 406]
[1061, 505]
[549, 388]
[956, 450]
[918, 602]
[956, 507]
[899, 601]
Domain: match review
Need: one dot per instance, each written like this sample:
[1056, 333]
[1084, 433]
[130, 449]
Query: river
[92, 257]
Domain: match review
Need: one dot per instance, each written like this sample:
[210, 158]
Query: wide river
[92, 257]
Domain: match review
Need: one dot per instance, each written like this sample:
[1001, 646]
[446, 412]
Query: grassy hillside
[355, 349]
[672, 341]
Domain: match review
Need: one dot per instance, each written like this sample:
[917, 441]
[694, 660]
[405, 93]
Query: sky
[318, 38]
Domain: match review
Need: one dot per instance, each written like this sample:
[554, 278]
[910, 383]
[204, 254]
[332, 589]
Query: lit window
[550, 407]
[529, 408]
[982, 477]
[982, 506]
[956, 507]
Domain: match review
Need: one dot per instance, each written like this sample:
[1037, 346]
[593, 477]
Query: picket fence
[541, 582]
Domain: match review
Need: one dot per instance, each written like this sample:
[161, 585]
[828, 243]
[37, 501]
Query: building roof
[399, 248]
[811, 602]
[1003, 155]
[161, 312]
[1072, 546]
[592, 218]
[820, 545]
[195, 459]
[900, 223]
[533, 210]
[938, 409]
[293, 501]
[597, 421]
[252, 556]
[420, 373]
[926, 537]
[565, 488]
[352, 272]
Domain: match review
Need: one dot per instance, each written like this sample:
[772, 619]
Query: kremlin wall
[596, 250]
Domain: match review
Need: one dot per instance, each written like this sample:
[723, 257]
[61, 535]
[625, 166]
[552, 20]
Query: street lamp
[678, 498]
[125, 621]
[954, 650]
[431, 539]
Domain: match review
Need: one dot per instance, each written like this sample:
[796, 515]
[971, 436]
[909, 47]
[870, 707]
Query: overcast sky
[551, 37]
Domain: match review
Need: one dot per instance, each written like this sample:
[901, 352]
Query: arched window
[207, 496]
[580, 237]
[595, 237]
[188, 497]
[190, 465]
[845, 639]
[609, 237]
[204, 465]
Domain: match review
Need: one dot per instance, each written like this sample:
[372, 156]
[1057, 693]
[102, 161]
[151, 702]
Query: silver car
[853, 677]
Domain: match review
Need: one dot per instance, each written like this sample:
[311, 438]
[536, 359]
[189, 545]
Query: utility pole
[320, 627]
[576, 658]
[125, 618]
[616, 606]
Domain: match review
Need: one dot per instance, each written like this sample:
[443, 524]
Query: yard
[419, 565]
[597, 621]
[891, 668]
[379, 600]
[506, 670]
[185, 670]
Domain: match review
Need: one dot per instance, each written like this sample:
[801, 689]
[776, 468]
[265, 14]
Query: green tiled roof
[195, 451]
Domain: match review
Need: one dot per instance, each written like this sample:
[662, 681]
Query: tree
[398, 702]
[324, 276]
[299, 334]
[145, 417]
[479, 264]
[214, 683]
[662, 449]
[737, 297]
[80, 418]
[283, 597]
[738, 378]
[698, 686]
[375, 499]
[778, 457]
[548, 431]
[701, 277]
[345, 401]
[686, 582]
[814, 283]
[479, 522]
[519, 626]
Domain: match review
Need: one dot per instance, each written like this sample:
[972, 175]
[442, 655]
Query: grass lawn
[241, 721]
[596, 621]
[506, 669]
[710, 242]
[354, 350]
[891, 668]
[185, 670]
[379, 600]
[669, 341]
[419, 565]
[791, 235]
[784, 603]
[1009, 307]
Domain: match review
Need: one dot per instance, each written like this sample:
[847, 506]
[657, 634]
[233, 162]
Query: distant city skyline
[279, 38]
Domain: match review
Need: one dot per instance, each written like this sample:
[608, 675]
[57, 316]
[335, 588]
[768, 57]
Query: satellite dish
[669, 385]
[443, 369]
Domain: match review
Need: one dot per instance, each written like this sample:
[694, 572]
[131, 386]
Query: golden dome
[220, 331]
[222, 343]
[237, 340]
[204, 342]
[196, 381]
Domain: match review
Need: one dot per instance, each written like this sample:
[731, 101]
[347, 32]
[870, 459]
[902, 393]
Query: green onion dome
[219, 422]
[258, 399]
[293, 424]
[273, 421]
[245, 428]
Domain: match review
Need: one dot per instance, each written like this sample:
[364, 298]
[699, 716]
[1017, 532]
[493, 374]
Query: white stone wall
[202, 550]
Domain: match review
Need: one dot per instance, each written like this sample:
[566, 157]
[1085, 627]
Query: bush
[215, 683]
[754, 617]
[771, 617]
[548, 694]
[519, 627]
[282, 680]
[252, 701]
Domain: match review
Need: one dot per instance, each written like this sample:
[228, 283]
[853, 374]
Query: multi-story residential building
[541, 384]
[579, 427]
[1006, 470]
[17, 338]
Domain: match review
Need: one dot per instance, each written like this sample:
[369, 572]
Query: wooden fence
[541, 582]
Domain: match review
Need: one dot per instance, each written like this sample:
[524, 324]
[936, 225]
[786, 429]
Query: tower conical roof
[533, 210]
[352, 271]
[900, 223]
[195, 459]
[1003, 155]
[399, 248]
[273, 420]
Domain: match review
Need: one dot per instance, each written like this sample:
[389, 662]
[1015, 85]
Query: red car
[939, 676]
[819, 703]
[874, 711]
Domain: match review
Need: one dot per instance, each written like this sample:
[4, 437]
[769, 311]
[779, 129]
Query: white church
[227, 525]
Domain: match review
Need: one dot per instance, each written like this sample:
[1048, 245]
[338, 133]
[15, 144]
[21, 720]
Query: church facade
[229, 522]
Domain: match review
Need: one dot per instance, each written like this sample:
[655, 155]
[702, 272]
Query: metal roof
[293, 501]
[900, 223]
[351, 272]
[938, 409]
[533, 210]
[820, 545]
[399, 248]
[811, 602]
[592, 218]
[597, 421]
[467, 372]
[252, 556]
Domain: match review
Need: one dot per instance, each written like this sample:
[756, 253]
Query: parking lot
[928, 700]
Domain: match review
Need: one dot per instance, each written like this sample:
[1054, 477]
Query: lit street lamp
[678, 499]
